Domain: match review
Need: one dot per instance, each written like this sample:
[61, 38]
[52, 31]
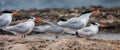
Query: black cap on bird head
[86, 12]
[30, 17]
[34, 18]
[98, 24]
[94, 23]
[62, 19]
[7, 11]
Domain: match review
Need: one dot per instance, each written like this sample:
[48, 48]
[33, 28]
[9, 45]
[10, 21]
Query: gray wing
[75, 24]
[41, 28]
[55, 29]
[18, 28]
[73, 20]
[86, 31]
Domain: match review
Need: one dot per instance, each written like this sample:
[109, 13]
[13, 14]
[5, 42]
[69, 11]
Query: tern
[77, 23]
[49, 28]
[21, 29]
[90, 30]
[6, 18]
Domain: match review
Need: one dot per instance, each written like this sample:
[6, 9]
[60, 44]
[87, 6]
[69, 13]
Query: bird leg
[77, 35]
[1, 31]
[23, 36]
[56, 37]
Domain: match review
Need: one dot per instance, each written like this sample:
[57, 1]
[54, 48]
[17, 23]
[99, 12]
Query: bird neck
[96, 26]
[85, 16]
[30, 22]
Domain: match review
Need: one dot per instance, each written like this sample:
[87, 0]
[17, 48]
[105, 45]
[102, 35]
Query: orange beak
[95, 12]
[102, 25]
[38, 19]
[15, 13]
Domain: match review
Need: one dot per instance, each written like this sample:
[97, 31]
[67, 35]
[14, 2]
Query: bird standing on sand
[89, 31]
[49, 28]
[6, 18]
[22, 28]
[76, 23]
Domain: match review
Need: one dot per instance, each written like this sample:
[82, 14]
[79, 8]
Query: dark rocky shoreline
[108, 16]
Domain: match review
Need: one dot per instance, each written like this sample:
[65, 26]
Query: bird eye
[6, 11]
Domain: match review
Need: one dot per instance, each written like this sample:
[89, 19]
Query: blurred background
[40, 4]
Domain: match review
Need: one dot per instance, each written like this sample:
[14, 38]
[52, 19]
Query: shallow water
[97, 36]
